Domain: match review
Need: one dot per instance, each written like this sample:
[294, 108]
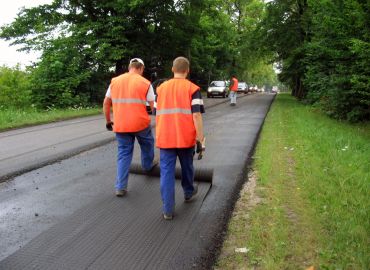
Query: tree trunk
[120, 67]
[298, 89]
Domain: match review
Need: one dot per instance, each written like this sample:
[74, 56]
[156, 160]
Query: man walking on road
[233, 90]
[128, 94]
[179, 125]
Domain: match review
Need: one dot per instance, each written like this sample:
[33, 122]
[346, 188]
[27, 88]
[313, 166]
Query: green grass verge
[313, 187]
[15, 118]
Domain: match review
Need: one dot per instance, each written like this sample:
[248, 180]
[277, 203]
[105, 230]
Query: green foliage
[323, 48]
[283, 32]
[250, 62]
[14, 88]
[254, 64]
[58, 76]
[82, 42]
[210, 54]
[337, 60]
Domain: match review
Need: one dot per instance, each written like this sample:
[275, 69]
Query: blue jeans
[233, 95]
[125, 151]
[168, 164]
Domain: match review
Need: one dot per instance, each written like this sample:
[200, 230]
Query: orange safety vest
[128, 94]
[234, 87]
[174, 119]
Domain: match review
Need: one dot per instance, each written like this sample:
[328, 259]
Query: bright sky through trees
[8, 54]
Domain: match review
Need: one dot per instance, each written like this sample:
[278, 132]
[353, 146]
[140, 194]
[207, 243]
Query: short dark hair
[181, 64]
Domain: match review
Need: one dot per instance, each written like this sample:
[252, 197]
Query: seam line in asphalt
[51, 145]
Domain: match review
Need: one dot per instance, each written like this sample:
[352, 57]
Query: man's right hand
[201, 145]
[109, 126]
[203, 142]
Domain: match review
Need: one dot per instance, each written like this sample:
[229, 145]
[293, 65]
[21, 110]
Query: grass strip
[16, 118]
[310, 204]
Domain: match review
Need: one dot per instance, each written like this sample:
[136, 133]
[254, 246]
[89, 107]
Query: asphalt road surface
[22, 150]
[65, 215]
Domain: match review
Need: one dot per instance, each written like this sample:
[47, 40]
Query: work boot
[189, 197]
[167, 216]
[121, 192]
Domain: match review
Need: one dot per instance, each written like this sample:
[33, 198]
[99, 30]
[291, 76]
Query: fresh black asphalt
[129, 233]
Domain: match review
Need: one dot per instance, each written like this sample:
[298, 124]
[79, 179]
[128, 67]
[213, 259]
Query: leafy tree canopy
[86, 42]
[323, 48]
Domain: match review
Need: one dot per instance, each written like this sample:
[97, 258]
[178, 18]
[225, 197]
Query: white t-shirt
[149, 96]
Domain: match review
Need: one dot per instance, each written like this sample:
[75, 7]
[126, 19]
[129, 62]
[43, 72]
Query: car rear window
[217, 83]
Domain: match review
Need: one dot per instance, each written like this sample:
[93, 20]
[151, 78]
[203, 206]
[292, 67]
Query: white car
[275, 89]
[218, 88]
[242, 87]
[253, 88]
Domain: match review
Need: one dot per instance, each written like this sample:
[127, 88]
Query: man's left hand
[109, 126]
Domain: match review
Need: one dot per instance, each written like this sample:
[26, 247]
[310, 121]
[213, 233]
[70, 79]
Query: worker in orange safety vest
[128, 94]
[179, 126]
[233, 90]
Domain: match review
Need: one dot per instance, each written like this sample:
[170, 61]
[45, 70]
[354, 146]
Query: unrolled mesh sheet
[114, 233]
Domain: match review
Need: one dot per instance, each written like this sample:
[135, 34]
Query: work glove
[201, 147]
[109, 126]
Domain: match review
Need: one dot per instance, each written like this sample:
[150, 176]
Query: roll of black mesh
[200, 174]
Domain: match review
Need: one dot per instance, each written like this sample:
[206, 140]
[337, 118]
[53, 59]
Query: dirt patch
[249, 190]
[238, 227]
[248, 199]
[248, 196]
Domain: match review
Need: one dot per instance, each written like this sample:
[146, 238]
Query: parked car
[155, 84]
[218, 88]
[275, 89]
[242, 87]
[253, 88]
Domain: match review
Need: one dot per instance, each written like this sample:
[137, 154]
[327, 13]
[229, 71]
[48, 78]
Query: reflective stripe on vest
[173, 111]
[129, 101]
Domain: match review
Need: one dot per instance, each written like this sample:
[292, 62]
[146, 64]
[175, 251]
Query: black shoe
[189, 197]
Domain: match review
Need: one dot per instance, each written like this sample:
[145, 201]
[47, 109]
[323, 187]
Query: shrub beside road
[307, 199]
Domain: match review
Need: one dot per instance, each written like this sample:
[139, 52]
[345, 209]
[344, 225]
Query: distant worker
[128, 94]
[233, 90]
[179, 125]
